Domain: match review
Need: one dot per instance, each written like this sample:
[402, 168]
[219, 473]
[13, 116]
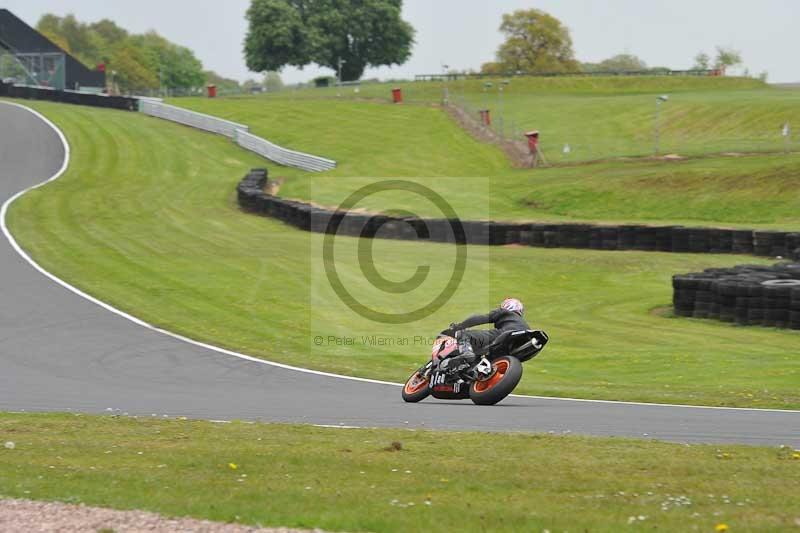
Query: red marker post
[533, 146]
[397, 96]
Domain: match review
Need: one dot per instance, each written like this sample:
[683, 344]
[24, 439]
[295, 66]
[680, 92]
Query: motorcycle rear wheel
[502, 382]
[416, 388]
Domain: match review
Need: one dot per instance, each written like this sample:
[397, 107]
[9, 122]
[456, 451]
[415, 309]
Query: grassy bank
[355, 480]
[146, 219]
[371, 139]
[602, 117]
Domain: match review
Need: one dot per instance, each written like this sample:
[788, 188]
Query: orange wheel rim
[415, 384]
[500, 369]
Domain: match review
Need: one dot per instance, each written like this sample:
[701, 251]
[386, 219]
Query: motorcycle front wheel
[416, 388]
[507, 371]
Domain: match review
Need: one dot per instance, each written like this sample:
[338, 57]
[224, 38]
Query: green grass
[347, 480]
[601, 118]
[146, 219]
[601, 126]
[376, 140]
[431, 91]
[367, 139]
[750, 192]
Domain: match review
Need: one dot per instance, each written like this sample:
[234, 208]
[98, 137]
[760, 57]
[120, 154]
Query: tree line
[537, 42]
[138, 62]
[345, 35]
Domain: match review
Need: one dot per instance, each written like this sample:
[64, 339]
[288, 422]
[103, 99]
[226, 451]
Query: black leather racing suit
[480, 338]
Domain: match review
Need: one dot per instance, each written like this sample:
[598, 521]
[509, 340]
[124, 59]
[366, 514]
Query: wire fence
[571, 131]
[659, 141]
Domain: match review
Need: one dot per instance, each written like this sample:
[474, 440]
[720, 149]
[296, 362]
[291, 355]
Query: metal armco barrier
[190, 118]
[239, 133]
[282, 156]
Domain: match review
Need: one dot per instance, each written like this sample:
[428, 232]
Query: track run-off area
[61, 350]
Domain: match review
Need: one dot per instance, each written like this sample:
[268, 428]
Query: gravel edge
[33, 516]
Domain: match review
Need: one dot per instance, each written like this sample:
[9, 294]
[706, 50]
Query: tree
[73, 36]
[272, 82]
[252, 86]
[701, 61]
[360, 33]
[727, 57]
[535, 42]
[589, 67]
[133, 72]
[224, 85]
[175, 65]
[622, 63]
[137, 60]
[111, 36]
[493, 67]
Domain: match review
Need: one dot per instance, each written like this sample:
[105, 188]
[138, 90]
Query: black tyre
[416, 388]
[506, 376]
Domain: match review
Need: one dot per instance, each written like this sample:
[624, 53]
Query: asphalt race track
[62, 352]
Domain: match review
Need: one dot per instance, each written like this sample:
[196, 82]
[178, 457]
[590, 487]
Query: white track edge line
[67, 155]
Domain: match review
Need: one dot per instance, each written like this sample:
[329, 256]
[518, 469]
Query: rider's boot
[465, 349]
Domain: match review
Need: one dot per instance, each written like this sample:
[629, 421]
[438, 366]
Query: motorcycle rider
[507, 317]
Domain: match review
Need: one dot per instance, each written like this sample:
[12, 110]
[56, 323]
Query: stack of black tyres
[748, 295]
[68, 97]
[582, 236]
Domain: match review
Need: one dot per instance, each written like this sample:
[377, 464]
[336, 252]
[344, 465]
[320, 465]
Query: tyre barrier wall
[239, 133]
[252, 197]
[746, 295]
[68, 97]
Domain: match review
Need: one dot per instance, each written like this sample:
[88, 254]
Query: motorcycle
[487, 381]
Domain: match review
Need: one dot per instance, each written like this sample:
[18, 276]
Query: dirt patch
[24, 515]
[273, 185]
[663, 311]
[516, 151]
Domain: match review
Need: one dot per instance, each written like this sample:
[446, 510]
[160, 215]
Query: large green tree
[622, 63]
[175, 66]
[140, 61]
[727, 57]
[536, 42]
[360, 33]
[272, 82]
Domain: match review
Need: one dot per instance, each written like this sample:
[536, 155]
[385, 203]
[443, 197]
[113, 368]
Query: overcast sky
[463, 33]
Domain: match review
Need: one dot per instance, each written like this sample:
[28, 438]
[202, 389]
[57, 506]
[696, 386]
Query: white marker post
[786, 132]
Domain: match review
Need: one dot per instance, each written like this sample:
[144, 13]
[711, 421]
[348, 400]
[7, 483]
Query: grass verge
[355, 480]
[377, 140]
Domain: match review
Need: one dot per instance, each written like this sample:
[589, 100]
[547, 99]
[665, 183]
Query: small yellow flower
[796, 455]
[233, 466]
[721, 528]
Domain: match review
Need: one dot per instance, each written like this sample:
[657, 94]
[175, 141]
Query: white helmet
[513, 305]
